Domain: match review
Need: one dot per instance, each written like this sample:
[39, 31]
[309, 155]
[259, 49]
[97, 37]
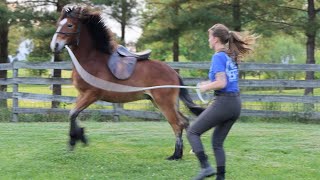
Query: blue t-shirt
[221, 62]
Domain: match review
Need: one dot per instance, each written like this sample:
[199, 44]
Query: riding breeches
[222, 114]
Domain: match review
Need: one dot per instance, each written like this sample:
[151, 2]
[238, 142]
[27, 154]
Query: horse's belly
[115, 97]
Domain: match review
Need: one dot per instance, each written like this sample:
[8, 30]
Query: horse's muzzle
[58, 48]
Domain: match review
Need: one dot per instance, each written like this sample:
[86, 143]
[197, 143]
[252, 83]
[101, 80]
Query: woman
[229, 46]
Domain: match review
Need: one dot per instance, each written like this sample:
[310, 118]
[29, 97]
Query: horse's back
[156, 72]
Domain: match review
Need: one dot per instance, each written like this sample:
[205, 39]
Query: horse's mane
[101, 35]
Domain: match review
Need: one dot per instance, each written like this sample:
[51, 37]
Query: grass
[137, 150]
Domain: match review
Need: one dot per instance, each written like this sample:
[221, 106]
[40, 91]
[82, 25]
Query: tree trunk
[310, 45]
[4, 31]
[123, 33]
[175, 50]
[56, 88]
[176, 34]
[311, 31]
[236, 15]
[123, 22]
[61, 4]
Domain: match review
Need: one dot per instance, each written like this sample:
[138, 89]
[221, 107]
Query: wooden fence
[115, 110]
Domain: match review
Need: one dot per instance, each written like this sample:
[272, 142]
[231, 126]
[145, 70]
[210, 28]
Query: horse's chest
[79, 83]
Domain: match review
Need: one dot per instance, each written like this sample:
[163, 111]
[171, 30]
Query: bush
[5, 115]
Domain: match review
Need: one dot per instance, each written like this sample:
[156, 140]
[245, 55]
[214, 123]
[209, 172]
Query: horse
[84, 31]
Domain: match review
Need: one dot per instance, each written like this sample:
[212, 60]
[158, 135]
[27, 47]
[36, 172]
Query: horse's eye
[70, 25]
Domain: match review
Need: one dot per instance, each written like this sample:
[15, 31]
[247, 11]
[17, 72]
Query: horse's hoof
[174, 158]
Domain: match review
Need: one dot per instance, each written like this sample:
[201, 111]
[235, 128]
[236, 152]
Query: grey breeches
[221, 114]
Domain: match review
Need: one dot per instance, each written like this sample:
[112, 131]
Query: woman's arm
[219, 83]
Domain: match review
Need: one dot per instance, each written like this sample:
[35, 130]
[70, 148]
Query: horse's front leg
[76, 132]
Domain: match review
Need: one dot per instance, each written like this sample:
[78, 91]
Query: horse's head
[69, 28]
[75, 18]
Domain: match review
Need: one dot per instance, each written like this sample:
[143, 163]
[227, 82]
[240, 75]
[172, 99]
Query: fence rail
[115, 110]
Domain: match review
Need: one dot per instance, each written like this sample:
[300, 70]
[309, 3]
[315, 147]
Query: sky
[132, 33]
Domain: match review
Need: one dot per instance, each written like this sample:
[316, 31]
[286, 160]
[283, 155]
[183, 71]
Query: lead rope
[110, 86]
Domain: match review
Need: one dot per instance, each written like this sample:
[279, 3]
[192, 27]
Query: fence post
[116, 116]
[15, 90]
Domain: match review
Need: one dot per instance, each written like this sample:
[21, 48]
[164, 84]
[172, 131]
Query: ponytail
[240, 44]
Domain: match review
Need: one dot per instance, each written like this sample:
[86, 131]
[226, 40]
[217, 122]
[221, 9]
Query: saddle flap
[121, 67]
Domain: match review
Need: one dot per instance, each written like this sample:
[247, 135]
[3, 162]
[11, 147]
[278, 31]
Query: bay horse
[83, 30]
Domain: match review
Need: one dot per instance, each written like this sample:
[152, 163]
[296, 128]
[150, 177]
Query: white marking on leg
[72, 112]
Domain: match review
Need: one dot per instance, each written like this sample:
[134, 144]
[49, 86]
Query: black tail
[185, 97]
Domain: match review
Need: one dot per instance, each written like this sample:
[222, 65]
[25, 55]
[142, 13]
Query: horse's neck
[85, 48]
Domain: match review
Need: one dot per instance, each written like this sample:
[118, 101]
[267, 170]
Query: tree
[164, 22]
[125, 12]
[4, 30]
[159, 25]
[311, 29]
[36, 11]
[56, 88]
[293, 17]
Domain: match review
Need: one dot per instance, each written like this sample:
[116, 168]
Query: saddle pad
[120, 66]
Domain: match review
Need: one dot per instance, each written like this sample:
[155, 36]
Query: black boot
[206, 169]
[221, 170]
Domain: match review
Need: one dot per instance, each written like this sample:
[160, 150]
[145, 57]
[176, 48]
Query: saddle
[122, 62]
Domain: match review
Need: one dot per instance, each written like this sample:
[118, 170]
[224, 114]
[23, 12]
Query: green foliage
[177, 21]
[4, 14]
[279, 48]
[41, 39]
[199, 49]
[160, 50]
[16, 35]
[37, 72]
[5, 115]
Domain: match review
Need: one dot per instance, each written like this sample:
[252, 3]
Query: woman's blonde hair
[240, 43]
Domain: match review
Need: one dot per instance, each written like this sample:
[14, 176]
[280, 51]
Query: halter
[72, 33]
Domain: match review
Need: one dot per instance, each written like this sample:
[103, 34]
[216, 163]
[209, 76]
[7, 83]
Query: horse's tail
[185, 97]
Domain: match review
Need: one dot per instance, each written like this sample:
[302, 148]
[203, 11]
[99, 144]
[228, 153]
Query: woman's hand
[219, 83]
[203, 86]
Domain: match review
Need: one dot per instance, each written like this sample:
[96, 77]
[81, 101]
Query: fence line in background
[116, 110]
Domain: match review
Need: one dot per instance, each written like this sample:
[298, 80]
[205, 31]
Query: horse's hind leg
[76, 133]
[168, 108]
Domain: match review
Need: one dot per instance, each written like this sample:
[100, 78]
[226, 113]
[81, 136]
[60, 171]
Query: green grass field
[137, 150]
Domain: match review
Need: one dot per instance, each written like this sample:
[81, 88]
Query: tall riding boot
[206, 169]
[221, 170]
